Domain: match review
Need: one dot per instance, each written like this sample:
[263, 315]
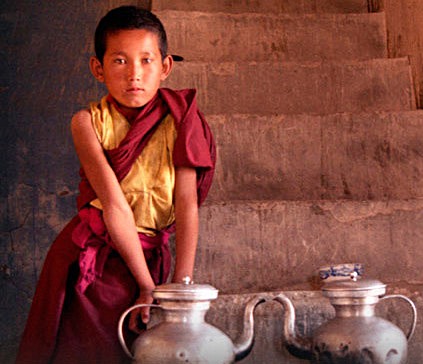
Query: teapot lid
[354, 287]
[186, 291]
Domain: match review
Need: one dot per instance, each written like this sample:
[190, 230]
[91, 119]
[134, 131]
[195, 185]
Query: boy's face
[132, 67]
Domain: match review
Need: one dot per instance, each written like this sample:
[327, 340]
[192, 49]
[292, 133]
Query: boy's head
[127, 18]
[131, 56]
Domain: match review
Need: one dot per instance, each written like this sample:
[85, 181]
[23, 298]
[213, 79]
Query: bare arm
[117, 213]
[186, 215]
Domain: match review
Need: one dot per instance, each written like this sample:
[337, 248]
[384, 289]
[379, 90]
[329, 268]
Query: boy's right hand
[141, 316]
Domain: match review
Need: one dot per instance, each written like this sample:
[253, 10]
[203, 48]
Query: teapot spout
[297, 346]
[245, 342]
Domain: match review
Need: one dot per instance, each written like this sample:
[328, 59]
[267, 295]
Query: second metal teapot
[355, 335]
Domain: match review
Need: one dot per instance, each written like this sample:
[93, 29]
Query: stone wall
[404, 21]
[45, 78]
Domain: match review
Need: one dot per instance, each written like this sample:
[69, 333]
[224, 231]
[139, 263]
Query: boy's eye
[147, 60]
[120, 61]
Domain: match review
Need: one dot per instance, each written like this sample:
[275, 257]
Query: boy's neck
[130, 114]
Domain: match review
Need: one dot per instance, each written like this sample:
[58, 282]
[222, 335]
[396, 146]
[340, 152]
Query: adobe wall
[45, 79]
[404, 21]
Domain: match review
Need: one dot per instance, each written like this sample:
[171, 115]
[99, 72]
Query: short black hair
[127, 18]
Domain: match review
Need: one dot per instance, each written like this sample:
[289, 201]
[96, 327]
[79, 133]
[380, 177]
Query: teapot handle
[120, 326]
[413, 307]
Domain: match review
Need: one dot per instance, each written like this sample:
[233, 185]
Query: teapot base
[183, 343]
[359, 340]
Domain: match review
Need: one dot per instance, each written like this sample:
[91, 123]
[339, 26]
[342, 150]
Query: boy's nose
[134, 72]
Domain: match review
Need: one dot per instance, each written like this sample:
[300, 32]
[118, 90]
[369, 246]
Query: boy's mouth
[134, 89]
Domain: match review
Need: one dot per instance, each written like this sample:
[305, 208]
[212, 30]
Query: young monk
[147, 159]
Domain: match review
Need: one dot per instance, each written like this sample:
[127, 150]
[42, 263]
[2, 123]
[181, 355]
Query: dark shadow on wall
[44, 79]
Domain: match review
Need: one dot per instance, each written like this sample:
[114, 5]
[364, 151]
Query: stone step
[312, 310]
[264, 6]
[293, 88]
[257, 37]
[266, 245]
[360, 156]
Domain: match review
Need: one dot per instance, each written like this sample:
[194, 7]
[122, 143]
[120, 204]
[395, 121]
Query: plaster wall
[45, 48]
[404, 22]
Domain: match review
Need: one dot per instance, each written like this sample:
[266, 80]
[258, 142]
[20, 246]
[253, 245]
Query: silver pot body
[359, 340]
[356, 335]
[183, 336]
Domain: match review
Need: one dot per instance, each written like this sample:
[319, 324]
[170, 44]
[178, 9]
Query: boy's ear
[96, 69]
[167, 67]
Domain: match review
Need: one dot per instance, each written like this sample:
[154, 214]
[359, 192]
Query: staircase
[320, 156]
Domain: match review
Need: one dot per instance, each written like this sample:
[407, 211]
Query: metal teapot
[184, 336]
[355, 335]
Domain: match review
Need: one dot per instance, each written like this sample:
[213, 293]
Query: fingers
[135, 323]
[141, 316]
[145, 314]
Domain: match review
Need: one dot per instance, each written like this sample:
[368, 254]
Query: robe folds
[85, 285]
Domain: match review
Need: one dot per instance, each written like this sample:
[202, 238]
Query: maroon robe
[85, 285]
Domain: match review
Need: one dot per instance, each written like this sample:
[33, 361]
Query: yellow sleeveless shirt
[149, 185]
